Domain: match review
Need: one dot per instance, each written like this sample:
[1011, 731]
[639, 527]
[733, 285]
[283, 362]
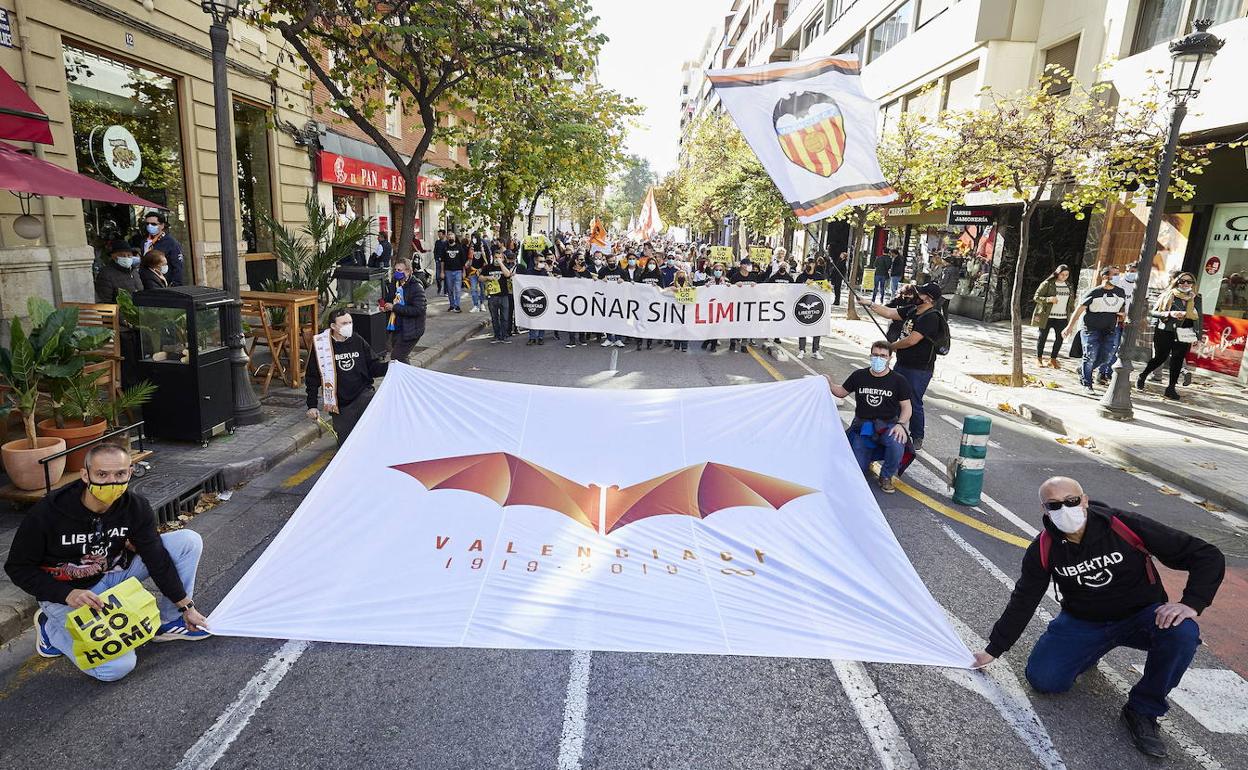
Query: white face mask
[345, 331]
[164, 269]
[1069, 518]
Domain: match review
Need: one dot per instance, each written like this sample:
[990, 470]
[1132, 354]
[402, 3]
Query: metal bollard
[968, 469]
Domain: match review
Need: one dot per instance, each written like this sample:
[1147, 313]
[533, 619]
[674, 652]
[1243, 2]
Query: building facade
[114, 73]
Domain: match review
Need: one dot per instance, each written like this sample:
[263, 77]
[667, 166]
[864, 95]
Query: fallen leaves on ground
[1211, 506]
[1087, 442]
[207, 501]
[1128, 469]
[1065, 440]
[1165, 490]
[1207, 466]
[1007, 408]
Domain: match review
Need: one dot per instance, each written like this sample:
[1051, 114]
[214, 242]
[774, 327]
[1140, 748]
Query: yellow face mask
[107, 493]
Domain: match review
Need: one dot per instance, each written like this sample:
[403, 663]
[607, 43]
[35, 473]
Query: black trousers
[1054, 325]
[401, 349]
[349, 414]
[836, 290]
[1166, 345]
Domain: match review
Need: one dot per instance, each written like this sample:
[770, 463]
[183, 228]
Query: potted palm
[24, 366]
[118, 412]
[76, 414]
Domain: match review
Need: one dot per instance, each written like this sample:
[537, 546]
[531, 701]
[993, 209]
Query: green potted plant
[76, 414]
[24, 366]
[118, 412]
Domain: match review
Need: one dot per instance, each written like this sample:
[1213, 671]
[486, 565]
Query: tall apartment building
[928, 55]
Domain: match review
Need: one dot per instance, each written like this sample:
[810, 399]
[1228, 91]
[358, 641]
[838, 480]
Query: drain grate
[176, 491]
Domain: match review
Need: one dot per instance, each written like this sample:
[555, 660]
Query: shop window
[255, 183]
[127, 133]
[893, 30]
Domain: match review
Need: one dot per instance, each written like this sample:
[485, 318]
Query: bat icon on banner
[698, 490]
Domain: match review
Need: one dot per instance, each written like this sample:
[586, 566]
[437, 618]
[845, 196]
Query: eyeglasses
[1055, 505]
[1186, 283]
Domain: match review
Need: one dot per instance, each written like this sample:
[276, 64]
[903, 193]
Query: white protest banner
[812, 128]
[639, 310]
[722, 520]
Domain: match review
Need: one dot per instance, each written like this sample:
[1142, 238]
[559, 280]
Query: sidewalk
[1200, 443]
[180, 471]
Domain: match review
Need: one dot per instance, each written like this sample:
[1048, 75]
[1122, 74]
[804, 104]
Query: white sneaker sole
[39, 638]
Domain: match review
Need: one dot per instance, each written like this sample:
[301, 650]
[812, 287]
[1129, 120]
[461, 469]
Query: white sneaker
[801, 354]
[474, 310]
[619, 343]
[606, 344]
[817, 355]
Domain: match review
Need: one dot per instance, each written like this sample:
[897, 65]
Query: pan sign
[121, 153]
[980, 216]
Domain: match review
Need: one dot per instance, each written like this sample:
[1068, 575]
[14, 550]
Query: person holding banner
[881, 412]
[579, 270]
[680, 285]
[88, 537]
[343, 374]
[718, 278]
[916, 349]
[812, 274]
[742, 276]
[497, 290]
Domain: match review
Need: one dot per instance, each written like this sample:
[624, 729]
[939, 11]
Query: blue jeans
[1107, 368]
[894, 281]
[881, 287]
[477, 291]
[868, 449]
[536, 334]
[184, 547]
[918, 380]
[1098, 346]
[1071, 646]
[500, 316]
[454, 285]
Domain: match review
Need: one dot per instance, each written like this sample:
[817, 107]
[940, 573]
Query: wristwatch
[189, 605]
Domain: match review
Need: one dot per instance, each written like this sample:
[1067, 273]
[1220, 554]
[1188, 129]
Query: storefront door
[349, 206]
[1223, 277]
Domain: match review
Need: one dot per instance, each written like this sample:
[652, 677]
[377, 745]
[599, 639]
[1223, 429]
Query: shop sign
[121, 153]
[352, 172]
[1213, 265]
[1230, 226]
[6, 30]
[904, 211]
[1221, 349]
[972, 215]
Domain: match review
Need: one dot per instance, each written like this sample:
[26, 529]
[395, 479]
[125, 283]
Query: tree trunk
[406, 234]
[533, 209]
[1016, 296]
[855, 235]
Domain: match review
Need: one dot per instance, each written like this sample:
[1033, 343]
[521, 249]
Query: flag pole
[848, 284]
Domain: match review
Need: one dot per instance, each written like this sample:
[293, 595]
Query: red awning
[20, 117]
[21, 173]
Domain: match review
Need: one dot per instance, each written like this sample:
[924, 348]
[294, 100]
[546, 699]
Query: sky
[649, 39]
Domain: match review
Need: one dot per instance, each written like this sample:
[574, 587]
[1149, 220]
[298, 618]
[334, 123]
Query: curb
[16, 613]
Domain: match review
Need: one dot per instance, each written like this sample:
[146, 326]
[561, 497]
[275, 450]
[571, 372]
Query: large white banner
[812, 128]
[472, 513]
[640, 310]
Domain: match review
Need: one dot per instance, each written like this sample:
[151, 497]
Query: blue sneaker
[43, 645]
[176, 631]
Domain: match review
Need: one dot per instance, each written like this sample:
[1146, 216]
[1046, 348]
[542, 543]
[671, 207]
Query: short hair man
[155, 235]
[921, 331]
[354, 364]
[1100, 559]
[881, 414]
[89, 536]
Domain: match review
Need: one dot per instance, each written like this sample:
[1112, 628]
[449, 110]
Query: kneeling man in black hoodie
[91, 535]
[1100, 559]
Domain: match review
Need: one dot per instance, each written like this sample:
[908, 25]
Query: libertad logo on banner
[809, 309]
[533, 302]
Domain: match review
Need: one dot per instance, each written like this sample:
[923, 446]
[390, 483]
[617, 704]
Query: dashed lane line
[881, 730]
[216, 740]
[575, 708]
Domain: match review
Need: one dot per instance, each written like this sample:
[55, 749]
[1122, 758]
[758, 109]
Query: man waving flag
[812, 128]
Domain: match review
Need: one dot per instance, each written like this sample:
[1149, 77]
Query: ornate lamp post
[1190, 60]
[246, 405]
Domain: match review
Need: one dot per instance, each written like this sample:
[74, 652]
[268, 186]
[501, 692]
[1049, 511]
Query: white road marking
[1185, 742]
[213, 744]
[1215, 697]
[999, 685]
[891, 747]
[575, 705]
[949, 419]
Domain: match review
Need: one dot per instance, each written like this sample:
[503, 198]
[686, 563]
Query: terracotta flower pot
[74, 433]
[22, 463]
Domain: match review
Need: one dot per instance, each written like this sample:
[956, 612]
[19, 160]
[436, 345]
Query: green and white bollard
[968, 469]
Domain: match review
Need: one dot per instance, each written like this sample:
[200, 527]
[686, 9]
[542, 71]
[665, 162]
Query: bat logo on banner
[811, 131]
[698, 490]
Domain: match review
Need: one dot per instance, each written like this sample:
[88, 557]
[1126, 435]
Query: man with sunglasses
[89, 536]
[1100, 561]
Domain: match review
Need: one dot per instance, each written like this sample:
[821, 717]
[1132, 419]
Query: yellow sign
[128, 620]
[868, 278]
[760, 255]
[824, 285]
[493, 286]
[686, 296]
[534, 242]
[721, 254]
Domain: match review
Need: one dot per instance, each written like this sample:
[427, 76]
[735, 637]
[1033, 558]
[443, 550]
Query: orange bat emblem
[698, 490]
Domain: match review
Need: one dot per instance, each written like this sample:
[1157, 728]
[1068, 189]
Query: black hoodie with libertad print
[1103, 578]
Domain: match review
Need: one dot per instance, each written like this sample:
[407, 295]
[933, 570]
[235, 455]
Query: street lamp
[246, 405]
[1190, 59]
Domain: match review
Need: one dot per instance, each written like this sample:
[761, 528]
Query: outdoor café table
[291, 302]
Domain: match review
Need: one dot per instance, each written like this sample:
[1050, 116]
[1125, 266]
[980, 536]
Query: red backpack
[1121, 529]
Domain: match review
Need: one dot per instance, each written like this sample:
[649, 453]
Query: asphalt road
[249, 703]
